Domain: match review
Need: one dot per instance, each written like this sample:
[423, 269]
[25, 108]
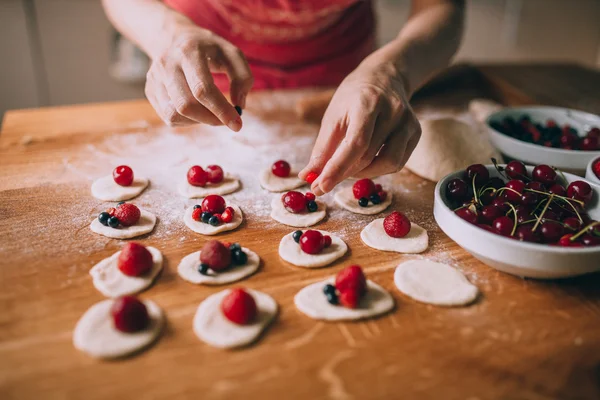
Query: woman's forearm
[148, 23]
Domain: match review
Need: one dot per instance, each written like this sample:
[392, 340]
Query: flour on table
[111, 282]
[291, 252]
[207, 229]
[312, 301]
[107, 189]
[274, 183]
[434, 283]
[144, 225]
[212, 327]
[228, 185]
[374, 235]
[345, 198]
[96, 335]
[188, 270]
[300, 220]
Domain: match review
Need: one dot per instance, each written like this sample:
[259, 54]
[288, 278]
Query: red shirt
[289, 43]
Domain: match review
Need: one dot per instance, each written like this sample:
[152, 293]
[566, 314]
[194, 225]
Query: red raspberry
[351, 278]
[311, 177]
[196, 176]
[363, 188]
[309, 197]
[349, 298]
[134, 260]
[281, 169]
[197, 214]
[239, 307]
[215, 255]
[111, 211]
[294, 202]
[129, 315]
[215, 173]
[213, 204]
[382, 195]
[123, 175]
[378, 188]
[326, 241]
[227, 215]
[127, 214]
[311, 242]
[396, 225]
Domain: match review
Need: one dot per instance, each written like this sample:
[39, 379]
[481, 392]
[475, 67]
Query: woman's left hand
[369, 128]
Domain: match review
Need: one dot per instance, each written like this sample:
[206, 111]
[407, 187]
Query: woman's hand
[180, 86]
[369, 128]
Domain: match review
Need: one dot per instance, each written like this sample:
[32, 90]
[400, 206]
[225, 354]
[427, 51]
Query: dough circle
[274, 183]
[211, 326]
[188, 270]
[302, 220]
[312, 302]
[143, 226]
[111, 282]
[95, 334]
[344, 198]
[207, 229]
[374, 235]
[107, 189]
[229, 185]
[434, 283]
[291, 252]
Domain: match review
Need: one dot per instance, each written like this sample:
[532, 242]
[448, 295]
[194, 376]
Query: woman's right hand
[180, 86]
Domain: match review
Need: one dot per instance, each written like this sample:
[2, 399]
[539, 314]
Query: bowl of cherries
[529, 221]
[592, 173]
[561, 137]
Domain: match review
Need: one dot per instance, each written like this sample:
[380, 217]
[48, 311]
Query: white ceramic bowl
[589, 173]
[567, 160]
[530, 260]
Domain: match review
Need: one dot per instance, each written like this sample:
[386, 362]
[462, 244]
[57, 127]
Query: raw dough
[373, 235]
[211, 326]
[448, 145]
[274, 183]
[188, 270]
[312, 302]
[229, 185]
[111, 282]
[106, 189]
[344, 198]
[291, 252]
[95, 334]
[207, 229]
[143, 226]
[302, 220]
[434, 283]
[480, 109]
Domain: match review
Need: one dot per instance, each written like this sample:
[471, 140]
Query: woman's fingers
[159, 99]
[328, 140]
[240, 76]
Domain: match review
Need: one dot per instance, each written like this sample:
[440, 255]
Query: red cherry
[239, 307]
[129, 315]
[309, 197]
[551, 123]
[516, 170]
[490, 213]
[525, 233]
[311, 177]
[311, 242]
[503, 225]
[557, 189]
[580, 190]
[382, 195]
[363, 188]
[501, 204]
[552, 231]
[326, 241]
[134, 260]
[572, 223]
[565, 241]
[545, 174]
[227, 215]
[596, 168]
[478, 170]
[467, 215]
[487, 228]
[533, 185]
[589, 143]
[529, 198]
[215, 174]
[378, 188]
[595, 132]
[123, 175]
[213, 204]
[514, 195]
[281, 169]
[196, 176]
[589, 240]
[457, 190]
[294, 202]
[396, 225]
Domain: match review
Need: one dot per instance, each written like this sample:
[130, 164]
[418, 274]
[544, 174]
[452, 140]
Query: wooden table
[523, 339]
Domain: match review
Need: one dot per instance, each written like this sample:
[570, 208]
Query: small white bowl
[589, 172]
[566, 160]
[530, 260]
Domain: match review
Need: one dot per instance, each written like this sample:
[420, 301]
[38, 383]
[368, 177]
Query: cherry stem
[498, 168]
[539, 219]
[581, 232]
[514, 210]
[475, 189]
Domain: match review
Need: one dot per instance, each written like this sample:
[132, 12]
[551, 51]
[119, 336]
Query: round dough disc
[274, 183]
[302, 220]
[95, 334]
[111, 282]
[434, 283]
[344, 198]
[106, 189]
[143, 226]
[291, 252]
[373, 235]
[188, 270]
[211, 326]
[229, 185]
[312, 302]
[207, 229]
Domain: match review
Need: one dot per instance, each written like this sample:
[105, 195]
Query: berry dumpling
[311, 248]
[280, 177]
[124, 221]
[212, 216]
[395, 233]
[121, 185]
[200, 182]
[364, 197]
[297, 209]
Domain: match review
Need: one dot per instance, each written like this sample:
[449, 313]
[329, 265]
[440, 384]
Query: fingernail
[317, 191]
[235, 125]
